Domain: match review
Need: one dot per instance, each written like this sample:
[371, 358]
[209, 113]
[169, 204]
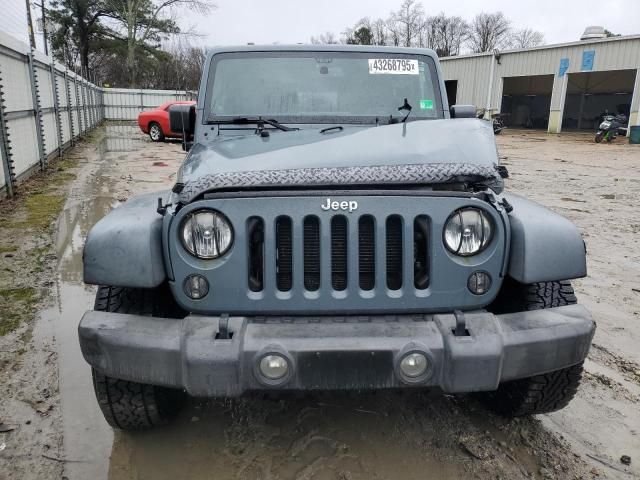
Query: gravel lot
[57, 430]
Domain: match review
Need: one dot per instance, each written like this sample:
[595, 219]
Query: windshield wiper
[405, 106]
[257, 120]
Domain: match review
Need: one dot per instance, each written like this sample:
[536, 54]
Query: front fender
[545, 246]
[124, 248]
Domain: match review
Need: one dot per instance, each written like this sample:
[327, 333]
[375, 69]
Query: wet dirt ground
[386, 435]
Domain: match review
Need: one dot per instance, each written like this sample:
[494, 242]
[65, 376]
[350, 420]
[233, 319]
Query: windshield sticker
[426, 104]
[393, 66]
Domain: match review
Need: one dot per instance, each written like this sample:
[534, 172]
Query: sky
[237, 22]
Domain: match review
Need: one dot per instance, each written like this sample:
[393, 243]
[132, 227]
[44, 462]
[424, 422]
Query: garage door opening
[526, 101]
[452, 91]
[592, 95]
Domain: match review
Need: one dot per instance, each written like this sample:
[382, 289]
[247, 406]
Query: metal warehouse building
[560, 87]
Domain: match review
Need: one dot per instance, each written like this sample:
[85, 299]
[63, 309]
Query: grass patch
[64, 176]
[26, 221]
[94, 136]
[39, 256]
[65, 163]
[41, 210]
[18, 306]
[18, 294]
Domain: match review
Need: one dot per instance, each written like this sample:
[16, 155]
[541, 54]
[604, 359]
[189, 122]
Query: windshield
[322, 87]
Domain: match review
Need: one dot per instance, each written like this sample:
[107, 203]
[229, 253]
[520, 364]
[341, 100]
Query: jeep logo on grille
[347, 206]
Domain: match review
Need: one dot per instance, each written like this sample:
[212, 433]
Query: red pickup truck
[155, 122]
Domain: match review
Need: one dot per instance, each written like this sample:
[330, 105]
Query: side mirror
[182, 120]
[462, 111]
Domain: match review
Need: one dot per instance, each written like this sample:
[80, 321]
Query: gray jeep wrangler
[335, 225]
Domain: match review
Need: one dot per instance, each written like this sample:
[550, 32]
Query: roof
[622, 38]
[323, 48]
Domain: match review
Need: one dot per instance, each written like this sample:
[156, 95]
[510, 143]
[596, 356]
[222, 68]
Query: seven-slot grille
[340, 252]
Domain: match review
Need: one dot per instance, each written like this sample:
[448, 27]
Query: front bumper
[352, 352]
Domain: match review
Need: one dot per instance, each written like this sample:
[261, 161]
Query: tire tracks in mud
[603, 421]
[382, 435]
[629, 369]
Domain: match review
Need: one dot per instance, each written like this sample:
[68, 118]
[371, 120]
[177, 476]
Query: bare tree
[488, 32]
[446, 34]
[393, 34]
[327, 38]
[379, 32]
[406, 24]
[526, 38]
[184, 69]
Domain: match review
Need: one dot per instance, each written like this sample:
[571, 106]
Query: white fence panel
[127, 103]
[22, 132]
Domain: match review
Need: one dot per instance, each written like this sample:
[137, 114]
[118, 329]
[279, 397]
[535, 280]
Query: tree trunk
[131, 62]
[132, 8]
[84, 53]
[83, 35]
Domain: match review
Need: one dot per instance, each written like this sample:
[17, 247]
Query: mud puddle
[104, 182]
[385, 435]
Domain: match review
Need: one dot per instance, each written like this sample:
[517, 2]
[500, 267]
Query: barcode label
[393, 66]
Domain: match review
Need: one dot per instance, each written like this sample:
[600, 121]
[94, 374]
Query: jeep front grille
[339, 252]
[383, 254]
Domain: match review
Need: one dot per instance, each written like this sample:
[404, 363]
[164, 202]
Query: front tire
[599, 136]
[130, 405]
[135, 406]
[155, 132]
[541, 393]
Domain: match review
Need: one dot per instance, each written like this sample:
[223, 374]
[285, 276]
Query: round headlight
[467, 232]
[207, 234]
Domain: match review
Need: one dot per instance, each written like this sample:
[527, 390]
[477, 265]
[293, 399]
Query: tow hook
[223, 328]
[461, 325]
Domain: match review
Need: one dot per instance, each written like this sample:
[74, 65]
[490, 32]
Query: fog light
[479, 283]
[274, 367]
[414, 365]
[196, 287]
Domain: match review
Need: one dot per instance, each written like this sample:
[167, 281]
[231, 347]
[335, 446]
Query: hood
[419, 152]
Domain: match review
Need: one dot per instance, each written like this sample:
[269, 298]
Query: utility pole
[44, 28]
[32, 38]
[44, 25]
